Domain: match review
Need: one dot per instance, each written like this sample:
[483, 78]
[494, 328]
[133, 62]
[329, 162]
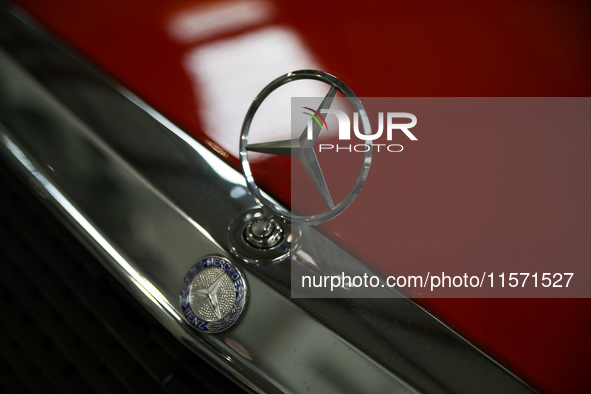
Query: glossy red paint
[505, 48]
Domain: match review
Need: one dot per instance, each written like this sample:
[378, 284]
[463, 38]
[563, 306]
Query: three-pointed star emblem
[211, 293]
[303, 148]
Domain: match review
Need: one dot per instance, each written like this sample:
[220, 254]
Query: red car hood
[380, 50]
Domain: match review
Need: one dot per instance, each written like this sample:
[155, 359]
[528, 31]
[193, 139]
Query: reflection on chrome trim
[101, 195]
[133, 275]
[151, 210]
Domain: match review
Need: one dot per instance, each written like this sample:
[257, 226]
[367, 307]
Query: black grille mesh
[67, 326]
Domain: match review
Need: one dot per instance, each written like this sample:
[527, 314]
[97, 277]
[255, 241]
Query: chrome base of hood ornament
[256, 239]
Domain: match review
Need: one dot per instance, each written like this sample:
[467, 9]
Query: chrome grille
[66, 325]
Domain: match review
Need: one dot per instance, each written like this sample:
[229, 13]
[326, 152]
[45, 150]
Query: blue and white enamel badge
[213, 294]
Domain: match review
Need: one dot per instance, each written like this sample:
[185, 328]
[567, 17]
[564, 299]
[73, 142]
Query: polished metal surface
[149, 244]
[151, 202]
[263, 233]
[302, 147]
[213, 295]
[271, 241]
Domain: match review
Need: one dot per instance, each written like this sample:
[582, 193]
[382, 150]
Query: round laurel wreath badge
[213, 294]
